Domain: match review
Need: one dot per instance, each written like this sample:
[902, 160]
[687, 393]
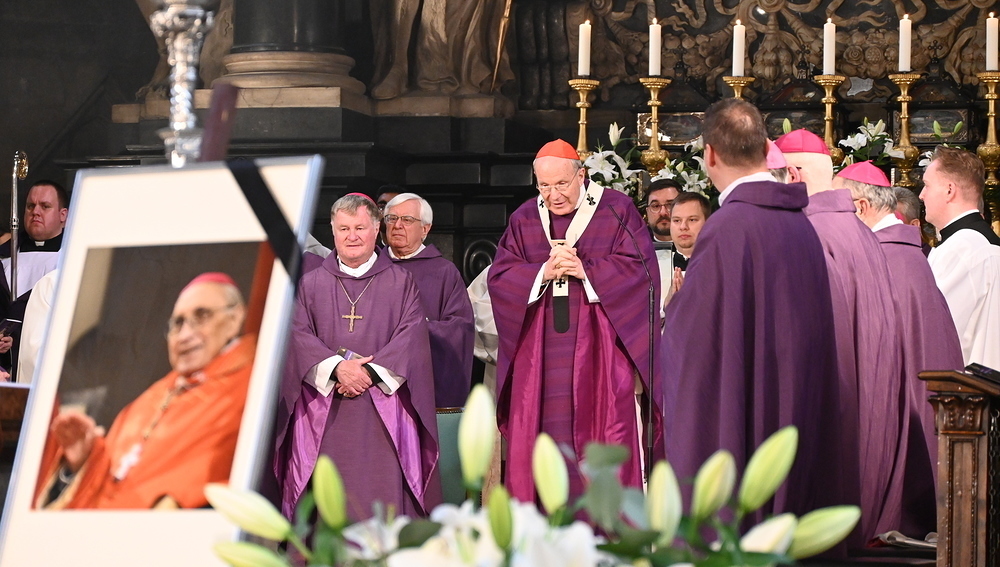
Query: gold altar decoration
[738, 84]
[989, 151]
[830, 84]
[654, 158]
[910, 152]
[583, 88]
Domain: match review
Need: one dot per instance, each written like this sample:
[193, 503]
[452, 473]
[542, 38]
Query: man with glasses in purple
[574, 330]
[408, 219]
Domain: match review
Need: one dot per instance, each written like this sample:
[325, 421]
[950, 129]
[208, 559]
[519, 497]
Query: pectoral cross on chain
[352, 317]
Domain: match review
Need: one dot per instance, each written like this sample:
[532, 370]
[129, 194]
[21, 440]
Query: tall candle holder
[654, 158]
[910, 152]
[989, 151]
[830, 84]
[583, 88]
[738, 84]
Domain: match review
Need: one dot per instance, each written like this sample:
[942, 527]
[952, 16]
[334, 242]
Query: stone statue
[453, 42]
[217, 44]
[543, 54]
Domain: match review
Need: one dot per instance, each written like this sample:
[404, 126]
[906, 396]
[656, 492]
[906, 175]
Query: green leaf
[325, 545]
[603, 498]
[303, 514]
[668, 556]
[753, 559]
[600, 455]
[634, 508]
[417, 532]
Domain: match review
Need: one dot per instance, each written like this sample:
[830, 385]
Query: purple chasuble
[930, 342]
[869, 350]
[578, 386]
[310, 262]
[449, 321]
[385, 447]
[748, 347]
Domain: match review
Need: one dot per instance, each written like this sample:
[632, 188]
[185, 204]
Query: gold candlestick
[583, 88]
[989, 151]
[910, 152]
[654, 158]
[830, 84]
[738, 84]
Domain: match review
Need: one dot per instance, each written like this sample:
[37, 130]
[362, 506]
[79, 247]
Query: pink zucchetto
[775, 159]
[802, 141]
[211, 277]
[865, 172]
[559, 149]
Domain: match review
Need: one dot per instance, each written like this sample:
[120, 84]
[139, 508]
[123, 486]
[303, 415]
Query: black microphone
[652, 345]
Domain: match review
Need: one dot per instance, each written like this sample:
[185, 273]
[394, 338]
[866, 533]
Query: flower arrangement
[612, 169]
[645, 530]
[689, 170]
[940, 135]
[871, 142]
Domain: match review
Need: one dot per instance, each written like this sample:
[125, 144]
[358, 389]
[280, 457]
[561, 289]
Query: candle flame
[587, 23]
[906, 16]
[829, 20]
[737, 22]
[654, 20]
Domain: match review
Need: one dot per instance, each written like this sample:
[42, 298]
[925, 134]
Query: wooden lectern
[967, 416]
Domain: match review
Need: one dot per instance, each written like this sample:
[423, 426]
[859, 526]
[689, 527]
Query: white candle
[991, 43]
[739, 48]
[829, 47]
[655, 43]
[583, 62]
[904, 44]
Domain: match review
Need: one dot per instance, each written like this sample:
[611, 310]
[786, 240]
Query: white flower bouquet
[871, 142]
[612, 169]
[689, 170]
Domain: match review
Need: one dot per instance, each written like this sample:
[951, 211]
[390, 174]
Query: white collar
[360, 270]
[759, 176]
[407, 256]
[885, 222]
[968, 212]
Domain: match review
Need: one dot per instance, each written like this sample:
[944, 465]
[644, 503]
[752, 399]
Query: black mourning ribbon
[279, 234]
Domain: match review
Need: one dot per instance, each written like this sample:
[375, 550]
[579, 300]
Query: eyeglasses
[196, 321]
[562, 187]
[407, 220]
[657, 207]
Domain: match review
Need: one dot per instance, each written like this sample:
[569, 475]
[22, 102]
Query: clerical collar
[886, 221]
[753, 177]
[956, 219]
[360, 270]
[405, 256]
[971, 220]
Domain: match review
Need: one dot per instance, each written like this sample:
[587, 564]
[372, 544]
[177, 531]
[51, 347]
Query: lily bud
[328, 489]
[663, 502]
[768, 468]
[822, 529]
[250, 511]
[713, 484]
[243, 554]
[771, 536]
[615, 134]
[501, 518]
[476, 435]
[551, 478]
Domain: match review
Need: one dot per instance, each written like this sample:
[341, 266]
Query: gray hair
[881, 198]
[426, 212]
[352, 202]
[577, 164]
[908, 201]
[780, 174]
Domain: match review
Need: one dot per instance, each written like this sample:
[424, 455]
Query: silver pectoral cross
[352, 317]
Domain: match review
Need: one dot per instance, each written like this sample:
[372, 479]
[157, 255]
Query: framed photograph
[675, 128]
[165, 344]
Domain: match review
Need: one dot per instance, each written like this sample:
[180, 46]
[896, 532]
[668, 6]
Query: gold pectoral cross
[352, 317]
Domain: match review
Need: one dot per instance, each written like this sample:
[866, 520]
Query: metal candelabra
[654, 158]
[738, 84]
[906, 163]
[830, 84]
[583, 88]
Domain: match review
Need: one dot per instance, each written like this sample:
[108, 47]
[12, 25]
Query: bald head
[816, 170]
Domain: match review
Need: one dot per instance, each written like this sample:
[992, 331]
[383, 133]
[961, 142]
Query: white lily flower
[615, 134]
[373, 538]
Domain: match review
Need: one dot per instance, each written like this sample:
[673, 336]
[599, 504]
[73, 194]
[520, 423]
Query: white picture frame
[132, 210]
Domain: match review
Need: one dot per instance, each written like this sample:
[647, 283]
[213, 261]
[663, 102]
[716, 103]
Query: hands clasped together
[563, 261]
[352, 378]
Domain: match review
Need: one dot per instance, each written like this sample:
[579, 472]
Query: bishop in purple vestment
[571, 363]
[868, 341]
[930, 341]
[358, 384]
[749, 342]
[446, 304]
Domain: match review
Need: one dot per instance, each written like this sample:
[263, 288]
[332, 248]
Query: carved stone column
[967, 409]
[290, 43]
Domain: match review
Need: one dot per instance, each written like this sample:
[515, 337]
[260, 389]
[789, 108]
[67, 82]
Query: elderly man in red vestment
[574, 338]
[930, 341]
[868, 340]
[178, 435]
[358, 383]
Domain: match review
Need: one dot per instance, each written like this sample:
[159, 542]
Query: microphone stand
[652, 345]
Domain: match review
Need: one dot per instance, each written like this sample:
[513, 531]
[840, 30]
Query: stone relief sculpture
[217, 44]
[455, 39]
[543, 47]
